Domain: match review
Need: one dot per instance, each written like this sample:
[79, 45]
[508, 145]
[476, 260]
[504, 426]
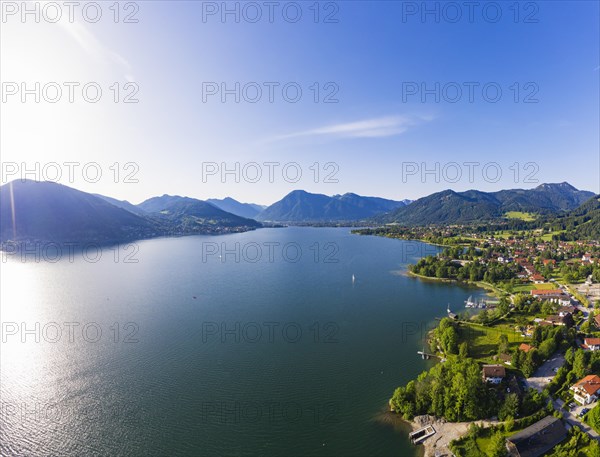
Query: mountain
[189, 215]
[546, 198]
[582, 222]
[32, 211]
[301, 206]
[449, 207]
[123, 204]
[248, 210]
[51, 212]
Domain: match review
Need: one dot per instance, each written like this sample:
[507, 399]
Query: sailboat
[353, 279]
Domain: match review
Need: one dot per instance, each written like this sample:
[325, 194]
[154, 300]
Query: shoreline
[445, 432]
[480, 284]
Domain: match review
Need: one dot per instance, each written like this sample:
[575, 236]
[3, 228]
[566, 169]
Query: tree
[497, 446]
[503, 344]
[518, 358]
[593, 419]
[531, 363]
[510, 407]
[449, 340]
[580, 366]
[463, 350]
[547, 348]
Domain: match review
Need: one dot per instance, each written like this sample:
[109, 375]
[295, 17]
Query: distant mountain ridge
[583, 222]
[32, 211]
[124, 204]
[302, 206]
[450, 207]
[46, 211]
[189, 214]
[248, 210]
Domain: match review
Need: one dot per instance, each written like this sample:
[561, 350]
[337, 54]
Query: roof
[525, 347]
[494, 371]
[539, 438]
[547, 292]
[597, 319]
[592, 341]
[590, 384]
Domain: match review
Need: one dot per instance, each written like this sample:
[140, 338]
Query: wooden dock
[426, 355]
[418, 436]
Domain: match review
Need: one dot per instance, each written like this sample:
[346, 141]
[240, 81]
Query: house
[552, 295]
[494, 374]
[564, 310]
[549, 262]
[597, 320]
[525, 347]
[562, 299]
[542, 292]
[593, 344]
[567, 320]
[506, 358]
[586, 390]
[537, 439]
[538, 278]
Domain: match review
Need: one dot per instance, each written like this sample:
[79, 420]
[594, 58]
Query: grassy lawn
[482, 444]
[524, 288]
[483, 341]
[527, 217]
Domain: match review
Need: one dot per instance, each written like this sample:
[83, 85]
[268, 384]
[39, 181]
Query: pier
[426, 355]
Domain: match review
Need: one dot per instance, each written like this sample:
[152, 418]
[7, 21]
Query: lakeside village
[522, 376]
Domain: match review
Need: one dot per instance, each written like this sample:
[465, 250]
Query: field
[483, 341]
[526, 288]
[527, 217]
[505, 234]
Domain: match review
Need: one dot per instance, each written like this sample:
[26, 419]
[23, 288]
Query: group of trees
[453, 390]
[578, 364]
[445, 267]
[547, 340]
[578, 444]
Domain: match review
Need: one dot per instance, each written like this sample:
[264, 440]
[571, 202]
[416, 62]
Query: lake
[274, 342]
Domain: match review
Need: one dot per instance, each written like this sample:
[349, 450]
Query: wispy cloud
[368, 128]
[92, 46]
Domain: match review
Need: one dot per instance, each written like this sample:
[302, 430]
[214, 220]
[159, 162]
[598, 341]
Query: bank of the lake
[479, 284]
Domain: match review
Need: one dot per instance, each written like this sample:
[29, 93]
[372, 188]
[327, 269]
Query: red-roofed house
[542, 292]
[593, 344]
[494, 373]
[525, 347]
[586, 390]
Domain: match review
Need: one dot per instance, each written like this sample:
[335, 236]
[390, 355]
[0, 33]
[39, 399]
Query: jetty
[427, 356]
[422, 434]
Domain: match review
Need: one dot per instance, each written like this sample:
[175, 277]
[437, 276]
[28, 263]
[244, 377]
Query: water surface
[277, 351]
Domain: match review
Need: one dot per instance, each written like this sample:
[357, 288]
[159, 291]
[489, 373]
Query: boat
[353, 279]
[480, 304]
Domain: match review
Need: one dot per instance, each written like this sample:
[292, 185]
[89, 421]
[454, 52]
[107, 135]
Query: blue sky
[374, 131]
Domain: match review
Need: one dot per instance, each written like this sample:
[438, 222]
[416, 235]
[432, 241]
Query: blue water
[258, 343]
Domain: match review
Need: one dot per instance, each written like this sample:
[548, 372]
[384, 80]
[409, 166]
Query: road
[542, 377]
[544, 374]
[572, 417]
